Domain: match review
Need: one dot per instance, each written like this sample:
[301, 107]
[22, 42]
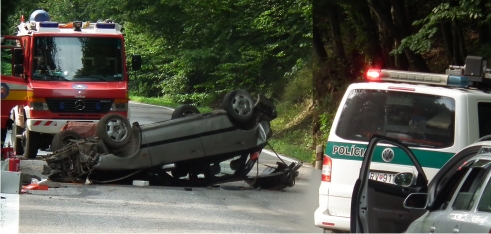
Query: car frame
[408, 206]
[189, 149]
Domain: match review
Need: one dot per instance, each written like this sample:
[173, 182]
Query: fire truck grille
[79, 105]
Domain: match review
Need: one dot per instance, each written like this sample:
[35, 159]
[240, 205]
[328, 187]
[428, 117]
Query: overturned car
[191, 149]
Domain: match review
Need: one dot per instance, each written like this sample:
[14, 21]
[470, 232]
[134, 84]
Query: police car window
[485, 201]
[484, 117]
[470, 190]
[415, 119]
[448, 190]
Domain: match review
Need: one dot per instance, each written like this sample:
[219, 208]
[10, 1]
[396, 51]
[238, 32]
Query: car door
[377, 206]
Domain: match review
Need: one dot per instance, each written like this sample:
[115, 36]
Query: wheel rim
[116, 130]
[242, 105]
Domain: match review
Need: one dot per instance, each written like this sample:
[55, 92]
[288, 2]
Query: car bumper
[51, 126]
[322, 219]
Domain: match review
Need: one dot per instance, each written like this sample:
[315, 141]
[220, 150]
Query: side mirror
[18, 56]
[404, 179]
[136, 62]
[416, 201]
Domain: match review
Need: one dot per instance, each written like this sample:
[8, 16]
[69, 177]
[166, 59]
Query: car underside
[192, 149]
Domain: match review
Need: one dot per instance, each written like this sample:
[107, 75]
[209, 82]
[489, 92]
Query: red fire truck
[55, 73]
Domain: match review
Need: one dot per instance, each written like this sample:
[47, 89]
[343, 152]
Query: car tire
[62, 139]
[184, 110]
[31, 144]
[239, 105]
[16, 142]
[114, 130]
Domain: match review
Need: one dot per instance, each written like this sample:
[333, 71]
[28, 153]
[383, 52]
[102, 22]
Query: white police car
[435, 114]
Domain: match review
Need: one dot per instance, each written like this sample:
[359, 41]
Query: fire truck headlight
[119, 107]
[39, 106]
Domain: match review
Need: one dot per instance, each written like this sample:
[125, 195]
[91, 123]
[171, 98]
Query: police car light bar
[417, 78]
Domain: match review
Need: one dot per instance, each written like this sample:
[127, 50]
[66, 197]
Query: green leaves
[465, 11]
[198, 49]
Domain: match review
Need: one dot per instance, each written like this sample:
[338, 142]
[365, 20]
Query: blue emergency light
[105, 26]
[458, 81]
[48, 24]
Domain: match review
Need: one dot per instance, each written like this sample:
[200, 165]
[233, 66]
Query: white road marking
[139, 103]
[9, 217]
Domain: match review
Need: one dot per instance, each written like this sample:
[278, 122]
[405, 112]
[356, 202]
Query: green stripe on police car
[350, 151]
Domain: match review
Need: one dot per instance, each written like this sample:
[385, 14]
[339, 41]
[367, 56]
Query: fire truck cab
[55, 73]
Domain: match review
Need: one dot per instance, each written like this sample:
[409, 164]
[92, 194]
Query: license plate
[382, 177]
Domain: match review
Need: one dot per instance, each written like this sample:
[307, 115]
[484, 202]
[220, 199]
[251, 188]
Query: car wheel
[114, 130]
[63, 138]
[184, 110]
[239, 105]
[16, 142]
[30, 143]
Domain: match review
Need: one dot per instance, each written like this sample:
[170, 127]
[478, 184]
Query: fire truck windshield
[92, 59]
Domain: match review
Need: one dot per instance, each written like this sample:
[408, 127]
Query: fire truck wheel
[16, 142]
[239, 105]
[184, 110]
[30, 143]
[63, 138]
[114, 130]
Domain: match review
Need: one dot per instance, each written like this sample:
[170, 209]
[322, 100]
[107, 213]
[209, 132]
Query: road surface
[232, 207]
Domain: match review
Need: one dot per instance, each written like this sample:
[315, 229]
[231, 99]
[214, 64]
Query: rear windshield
[415, 119]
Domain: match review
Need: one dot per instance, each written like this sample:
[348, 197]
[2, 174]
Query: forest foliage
[196, 51]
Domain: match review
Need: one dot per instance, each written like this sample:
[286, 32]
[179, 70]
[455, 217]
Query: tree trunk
[458, 56]
[446, 28]
[483, 29]
[319, 90]
[375, 53]
[398, 32]
[332, 13]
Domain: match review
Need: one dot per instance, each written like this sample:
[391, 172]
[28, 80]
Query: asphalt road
[232, 207]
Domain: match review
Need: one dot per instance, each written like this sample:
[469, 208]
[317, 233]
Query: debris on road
[140, 183]
[276, 178]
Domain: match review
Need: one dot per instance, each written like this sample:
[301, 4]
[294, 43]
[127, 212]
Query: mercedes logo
[79, 105]
[387, 155]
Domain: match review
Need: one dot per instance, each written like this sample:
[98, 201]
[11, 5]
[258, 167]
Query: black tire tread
[31, 147]
[57, 142]
[179, 111]
[16, 142]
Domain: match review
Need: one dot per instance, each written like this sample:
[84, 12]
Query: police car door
[377, 206]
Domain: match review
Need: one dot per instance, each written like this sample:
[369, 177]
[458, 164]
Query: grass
[292, 131]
